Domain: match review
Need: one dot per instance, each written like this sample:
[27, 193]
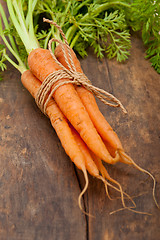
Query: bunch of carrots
[85, 135]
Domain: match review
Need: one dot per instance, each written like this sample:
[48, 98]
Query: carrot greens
[99, 24]
[103, 25]
[10, 44]
[145, 16]
[18, 33]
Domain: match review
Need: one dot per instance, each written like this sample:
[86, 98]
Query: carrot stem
[21, 67]
[5, 21]
[29, 40]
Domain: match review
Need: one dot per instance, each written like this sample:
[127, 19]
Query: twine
[47, 87]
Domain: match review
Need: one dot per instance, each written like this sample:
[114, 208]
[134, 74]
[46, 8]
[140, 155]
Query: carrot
[102, 126]
[71, 141]
[60, 124]
[89, 163]
[42, 64]
[94, 166]
[111, 139]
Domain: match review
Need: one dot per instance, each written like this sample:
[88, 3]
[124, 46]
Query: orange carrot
[94, 166]
[102, 126]
[42, 64]
[58, 121]
[71, 141]
[60, 124]
[110, 138]
[90, 165]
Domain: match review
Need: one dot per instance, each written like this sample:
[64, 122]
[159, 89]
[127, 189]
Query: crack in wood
[109, 78]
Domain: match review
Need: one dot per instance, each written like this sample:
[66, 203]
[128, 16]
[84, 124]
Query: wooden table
[39, 185]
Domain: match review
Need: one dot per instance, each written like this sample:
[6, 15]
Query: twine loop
[70, 75]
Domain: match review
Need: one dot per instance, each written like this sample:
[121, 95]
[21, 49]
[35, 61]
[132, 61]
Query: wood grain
[137, 85]
[39, 186]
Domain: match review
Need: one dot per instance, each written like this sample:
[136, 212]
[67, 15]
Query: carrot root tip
[130, 209]
[125, 157]
[82, 193]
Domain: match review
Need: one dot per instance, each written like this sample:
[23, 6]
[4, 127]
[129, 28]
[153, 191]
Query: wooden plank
[38, 186]
[137, 85]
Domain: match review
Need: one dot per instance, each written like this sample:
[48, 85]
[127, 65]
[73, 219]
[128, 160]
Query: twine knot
[48, 87]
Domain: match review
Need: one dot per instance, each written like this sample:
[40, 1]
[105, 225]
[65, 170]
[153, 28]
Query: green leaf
[145, 16]
[2, 57]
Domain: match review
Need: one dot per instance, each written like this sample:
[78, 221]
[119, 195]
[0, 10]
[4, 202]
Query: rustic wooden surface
[39, 186]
